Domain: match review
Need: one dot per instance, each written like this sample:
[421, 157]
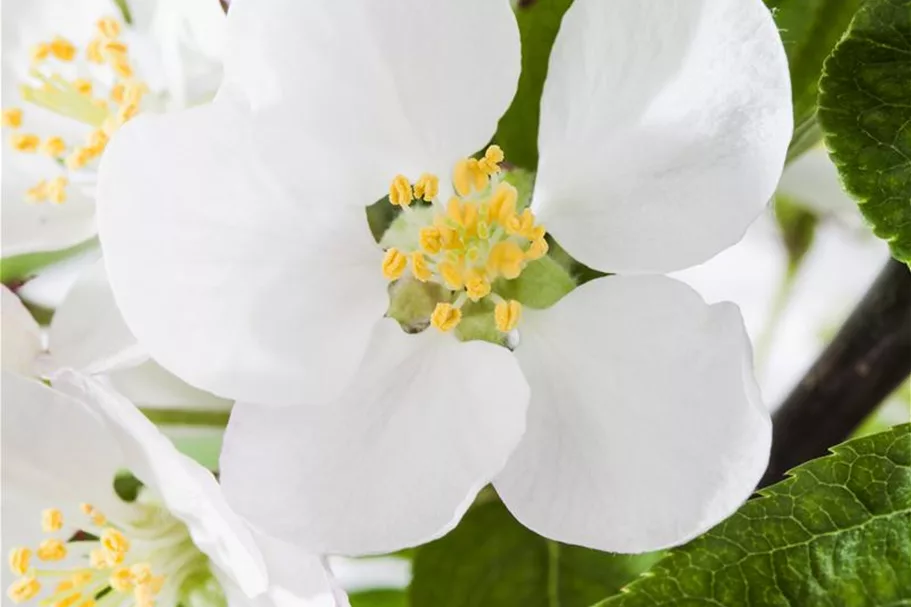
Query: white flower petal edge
[429, 422]
[189, 491]
[396, 87]
[232, 280]
[20, 334]
[645, 426]
[664, 128]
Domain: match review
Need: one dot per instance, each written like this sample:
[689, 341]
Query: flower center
[103, 103]
[107, 562]
[480, 237]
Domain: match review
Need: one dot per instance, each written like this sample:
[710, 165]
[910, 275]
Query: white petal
[189, 491]
[645, 426]
[398, 87]
[150, 386]
[87, 327]
[296, 578]
[664, 127]
[229, 277]
[395, 462]
[54, 448]
[21, 336]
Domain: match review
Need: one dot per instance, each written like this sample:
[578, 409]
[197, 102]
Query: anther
[51, 520]
[12, 118]
[24, 589]
[430, 239]
[506, 259]
[56, 190]
[490, 164]
[40, 52]
[26, 143]
[427, 187]
[477, 285]
[108, 27]
[83, 86]
[394, 263]
[62, 49]
[507, 315]
[121, 579]
[419, 266]
[19, 559]
[452, 275]
[445, 317]
[51, 550]
[537, 250]
[54, 147]
[400, 194]
[114, 541]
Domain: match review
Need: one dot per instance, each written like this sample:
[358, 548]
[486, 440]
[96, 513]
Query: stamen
[12, 118]
[445, 317]
[477, 285]
[24, 589]
[51, 520]
[430, 239]
[37, 193]
[62, 49]
[54, 147]
[56, 190]
[507, 315]
[394, 263]
[19, 559]
[51, 550]
[427, 187]
[82, 86]
[537, 250]
[26, 143]
[108, 27]
[419, 267]
[40, 52]
[400, 194]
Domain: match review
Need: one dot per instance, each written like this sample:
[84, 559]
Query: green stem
[186, 417]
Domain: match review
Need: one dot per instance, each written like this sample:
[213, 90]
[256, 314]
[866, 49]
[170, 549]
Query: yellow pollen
[394, 263]
[477, 286]
[56, 190]
[445, 317]
[40, 52]
[19, 559]
[127, 111]
[122, 67]
[83, 86]
[419, 266]
[400, 194]
[502, 204]
[121, 579]
[108, 27]
[468, 174]
[114, 48]
[452, 275]
[100, 558]
[506, 259]
[430, 239]
[93, 51]
[62, 49]
[68, 601]
[507, 315]
[26, 143]
[79, 157]
[51, 550]
[141, 572]
[54, 147]
[114, 541]
[37, 193]
[427, 187]
[490, 164]
[51, 520]
[24, 589]
[12, 118]
[97, 140]
[537, 250]
[81, 578]
[89, 602]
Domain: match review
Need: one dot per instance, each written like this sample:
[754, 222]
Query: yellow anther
[12, 118]
[523, 225]
[507, 315]
[114, 48]
[430, 239]
[79, 157]
[114, 541]
[400, 193]
[56, 190]
[89, 602]
[506, 259]
[394, 263]
[537, 250]
[452, 275]
[477, 285]
[449, 239]
[37, 193]
[68, 601]
[51, 550]
[93, 513]
[24, 589]
[141, 572]
[490, 163]
[40, 52]
[97, 140]
[19, 559]
[419, 266]
[468, 174]
[502, 205]
[117, 92]
[122, 67]
[62, 49]
[99, 519]
[25, 142]
[101, 559]
[83, 86]
[93, 51]
[427, 187]
[445, 317]
[121, 579]
[464, 214]
[127, 111]
[108, 27]
[51, 518]
[64, 586]
[54, 147]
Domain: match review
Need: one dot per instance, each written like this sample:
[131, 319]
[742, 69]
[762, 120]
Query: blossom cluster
[297, 216]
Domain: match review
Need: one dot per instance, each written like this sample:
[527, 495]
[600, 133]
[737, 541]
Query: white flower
[627, 418]
[73, 72]
[73, 540]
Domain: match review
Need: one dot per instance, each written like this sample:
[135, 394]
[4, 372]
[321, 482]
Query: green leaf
[541, 284]
[517, 133]
[379, 598]
[810, 29]
[21, 267]
[492, 560]
[865, 111]
[838, 532]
